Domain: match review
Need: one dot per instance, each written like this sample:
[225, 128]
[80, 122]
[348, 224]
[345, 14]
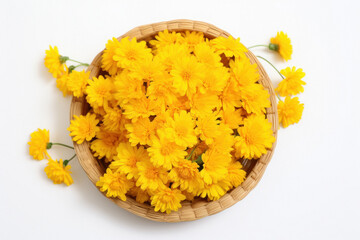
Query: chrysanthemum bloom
[230, 97]
[235, 174]
[127, 87]
[204, 103]
[62, 81]
[232, 118]
[107, 62]
[140, 131]
[142, 107]
[115, 184]
[53, 63]
[180, 129]
[191, 39]
[255, 99]
[229, 46]
[215, 191]
[188, 74]
[163, 152]
[151, 177]
[292, 84]
[206, 54]
[114, 120]
[255, 137]
[168, 54]
[208, 127]
[83, 127]
[223, 144]
[77, 82]
[215, 166]
[147, 70]
[167, 200]
[126, 159]
[105, 144]
[56, 171]
[140, 195]
[99, 91]
[185, 176]
[166, 38]
[38, 142]
[215, 80]
[282, 44]
[244, 72]
[128, 52]
[162, 92]
[290, 111]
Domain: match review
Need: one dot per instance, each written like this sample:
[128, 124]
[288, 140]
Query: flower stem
[260, 45]
[66, 162]
[61, 144]
[192, 152]
[272, 66]
[278, 96]
[81, 64]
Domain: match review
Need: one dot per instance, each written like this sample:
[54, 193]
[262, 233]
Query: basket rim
[189, 211]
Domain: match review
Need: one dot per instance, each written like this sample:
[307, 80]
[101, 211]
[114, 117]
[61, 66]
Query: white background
[311, 187]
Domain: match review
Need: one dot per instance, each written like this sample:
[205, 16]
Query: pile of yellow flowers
[171, 117]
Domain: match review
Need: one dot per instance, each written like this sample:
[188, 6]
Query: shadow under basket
[199, 208]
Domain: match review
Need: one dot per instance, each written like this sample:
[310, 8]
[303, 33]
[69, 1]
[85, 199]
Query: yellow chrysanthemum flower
[140, 195]
[77, 82]
[168, 55]
[180, 129]
[126, 159]
[230, 97]
[107, 59]
[215, 191]
[167, 200]
[83, 127]
[208, 127]
[105, 144]
[128, 52]
[236, 174]
[223, 144]
[282, 44]
[127, 87]
[148, 70]
[206, 54]
[244, 72]
[215, 166]
[139, 132]
[185, 176]
[191, 39]
[188, 74]
[142, 107]
[99, 91]
[290, 111]
[56, 171]
[38, 142]
[204, 103]
[255, 137]
[230, 46]
[232, 118]
[114, 120]
[166, 38]
[53, 63]
[151, 177]
[255, 99]
[114, 184]
[161, 91]
[292, 84]
[62, 82]
[163, 152]
[215, 80]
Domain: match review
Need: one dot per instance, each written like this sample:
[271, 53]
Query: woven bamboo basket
[199, 208]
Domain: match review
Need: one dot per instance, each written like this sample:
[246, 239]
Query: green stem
[66, 162]
[260, 45]
[81, 64]
[272, 66]
[278, 96]
[64, 145]
[192, 152]
[72, 157]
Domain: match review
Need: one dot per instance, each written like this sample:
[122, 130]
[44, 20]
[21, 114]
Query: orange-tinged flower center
[167, 149]
[152, 173]
[131, 54]
[186, 75]
[132, 161]
[115, 185]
